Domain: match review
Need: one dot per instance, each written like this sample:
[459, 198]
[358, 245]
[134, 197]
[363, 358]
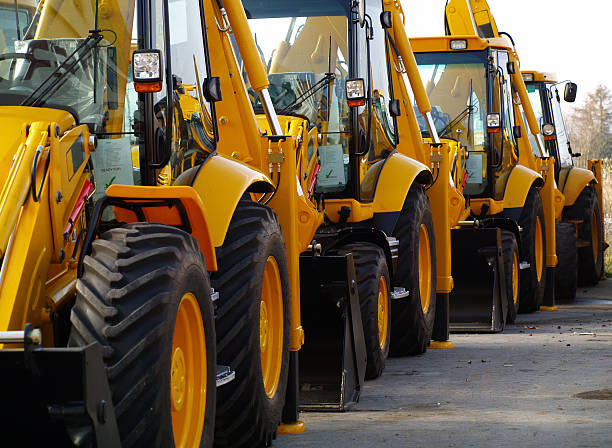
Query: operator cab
[311, 50]
[469, 85]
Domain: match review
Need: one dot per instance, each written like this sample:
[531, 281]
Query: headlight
[355, 92]
[147, 71]
[493, 122]
[458, 44]
[528, 77]
[548, 129]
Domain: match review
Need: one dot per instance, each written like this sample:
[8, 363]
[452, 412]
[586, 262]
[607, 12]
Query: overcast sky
[563, 36]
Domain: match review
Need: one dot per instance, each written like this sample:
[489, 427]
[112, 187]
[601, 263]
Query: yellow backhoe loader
[332, 90]
[475, 88]
[580, 232]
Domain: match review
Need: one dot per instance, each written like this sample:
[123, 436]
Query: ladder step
[225, 375]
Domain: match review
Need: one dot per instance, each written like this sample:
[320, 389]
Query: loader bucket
[333, 357]
[57, 396]
[478, 300]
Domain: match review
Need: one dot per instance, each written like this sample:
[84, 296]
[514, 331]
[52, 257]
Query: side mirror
[211, 89]
[361, 12]
[386, 19]
[147, 71]
[395, 108]
[511, 68]
[570, 92]
[517, 131]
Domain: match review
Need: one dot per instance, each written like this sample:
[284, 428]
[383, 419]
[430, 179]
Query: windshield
[49, 58]
[456, 86]
[534, 93]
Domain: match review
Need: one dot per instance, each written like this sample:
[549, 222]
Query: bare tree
[590, 126]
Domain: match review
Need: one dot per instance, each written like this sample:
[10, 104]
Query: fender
[519, 183]
[221, 183]
[195, 212]
[577, 180]
[396, 178]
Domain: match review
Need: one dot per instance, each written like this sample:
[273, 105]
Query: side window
[562, 137]
[382, 122]
[502, 59]
[192, 136]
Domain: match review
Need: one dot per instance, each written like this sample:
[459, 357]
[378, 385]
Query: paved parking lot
[545, 382]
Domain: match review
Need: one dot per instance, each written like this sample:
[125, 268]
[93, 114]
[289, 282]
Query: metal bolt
[102, 411]
[58, 196]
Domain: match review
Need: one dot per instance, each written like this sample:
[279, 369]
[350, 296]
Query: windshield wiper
[326, 80]
[56, 77]
[467, 112]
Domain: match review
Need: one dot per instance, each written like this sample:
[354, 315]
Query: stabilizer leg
[441, 331]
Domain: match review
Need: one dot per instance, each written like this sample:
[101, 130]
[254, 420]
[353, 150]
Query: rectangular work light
[147, 71]
[355, 92]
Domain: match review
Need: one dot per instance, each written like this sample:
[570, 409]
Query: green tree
[590, 126]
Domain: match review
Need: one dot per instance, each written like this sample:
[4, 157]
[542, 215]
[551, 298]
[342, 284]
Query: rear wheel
[145, 297]
[373, 285]
[590, 254]
[566, 274]
[412, 318]
[252, 327]
[533, 251]
[511, 271]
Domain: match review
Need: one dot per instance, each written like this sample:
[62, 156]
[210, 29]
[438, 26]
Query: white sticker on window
[332, 166]
[474, 168]
[112, 164]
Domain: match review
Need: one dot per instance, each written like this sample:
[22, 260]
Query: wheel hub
[178, 379]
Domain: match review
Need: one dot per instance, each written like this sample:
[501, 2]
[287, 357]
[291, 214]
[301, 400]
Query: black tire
[411, 327]
[246, 416]
[566, 274]
[590, 258]
[370, 266]
[127, 300]
[511, 262]
[532, 284]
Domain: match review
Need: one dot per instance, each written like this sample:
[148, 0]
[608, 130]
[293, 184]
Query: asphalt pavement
[544, 382]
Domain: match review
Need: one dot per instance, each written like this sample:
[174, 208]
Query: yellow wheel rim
[188, 374]
[383, 312]
[424, 268]
[271, 327]
[515, 277]
[539, 249]
[595, 235]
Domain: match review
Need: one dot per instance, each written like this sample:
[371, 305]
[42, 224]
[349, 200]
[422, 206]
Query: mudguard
[221, 183]
[519, 183]
[397, 176]
[576, 181]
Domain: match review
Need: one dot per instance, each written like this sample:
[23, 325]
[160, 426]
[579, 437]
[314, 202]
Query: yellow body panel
[495, 207]
[220, 184]
[547, 193]
[519, 183]
[359, 211]
[396, 178]
[440, 199]
[577, 179]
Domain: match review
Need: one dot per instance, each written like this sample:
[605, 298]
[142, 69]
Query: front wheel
[566, 274]
[533, 251]
[145, 297]
[412, 318]
[511, 272]
[252, 327]
[373, 285]
[590, 254]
